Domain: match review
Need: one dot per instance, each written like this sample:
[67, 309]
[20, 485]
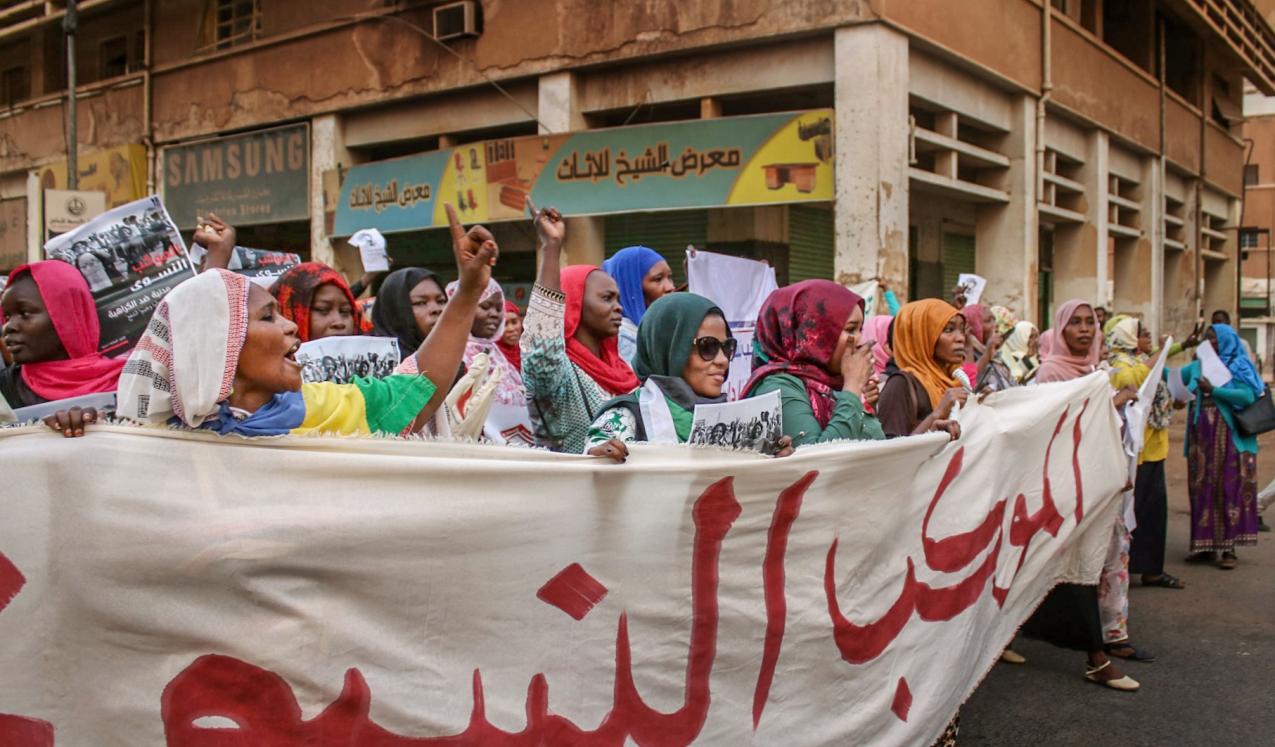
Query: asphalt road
[1214, 680]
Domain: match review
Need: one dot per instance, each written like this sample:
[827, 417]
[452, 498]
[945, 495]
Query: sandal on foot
[1010, 656]
[1228, 561]
[1125, 684]
[1128, 652]
[1203, 556]
[1166, 581]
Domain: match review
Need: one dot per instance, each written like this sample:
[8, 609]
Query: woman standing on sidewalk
[1221, 462]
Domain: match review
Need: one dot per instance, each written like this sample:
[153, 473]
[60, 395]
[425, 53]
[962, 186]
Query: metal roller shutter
[958, 257]
[810, 243]
[667, 233]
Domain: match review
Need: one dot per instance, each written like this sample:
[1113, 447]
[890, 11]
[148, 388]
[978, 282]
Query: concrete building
[1060, 148]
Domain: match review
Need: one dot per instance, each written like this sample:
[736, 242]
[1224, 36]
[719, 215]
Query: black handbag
[1258, 417]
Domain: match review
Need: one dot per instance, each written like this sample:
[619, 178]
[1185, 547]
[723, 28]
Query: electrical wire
[417, 28]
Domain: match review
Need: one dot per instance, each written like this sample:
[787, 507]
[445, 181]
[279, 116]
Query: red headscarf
[797, 332]
[295, 291]
[513, 353]
[74, 314]
[609, 370]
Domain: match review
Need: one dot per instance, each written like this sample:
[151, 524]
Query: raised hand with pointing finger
[439, 357]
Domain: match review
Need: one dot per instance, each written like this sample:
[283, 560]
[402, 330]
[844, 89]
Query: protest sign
[131, 257]
[973, 285]
[739, 287]
[249, 592]
[261, 266]
[340, 359]
[508, 424]
[371, 246]
[753, 424]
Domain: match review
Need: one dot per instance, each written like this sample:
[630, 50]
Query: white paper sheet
[1212, 366]
[1177, 389]
[754, 423]
[974, 286]
[371, 246]
[6, 412]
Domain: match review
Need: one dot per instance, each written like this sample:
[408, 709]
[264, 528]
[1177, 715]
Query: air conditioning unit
[458, 20]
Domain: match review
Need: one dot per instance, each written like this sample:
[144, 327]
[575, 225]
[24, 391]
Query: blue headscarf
[1231, 351]
[284, 412]
[629, 267]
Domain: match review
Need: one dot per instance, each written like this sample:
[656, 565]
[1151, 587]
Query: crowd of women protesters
[220, 353]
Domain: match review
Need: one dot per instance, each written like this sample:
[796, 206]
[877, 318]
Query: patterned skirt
[1223, 485]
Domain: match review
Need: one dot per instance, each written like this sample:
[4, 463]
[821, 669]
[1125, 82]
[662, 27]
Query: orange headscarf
[917, 327]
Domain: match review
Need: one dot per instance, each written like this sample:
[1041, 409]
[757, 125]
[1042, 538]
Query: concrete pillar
[871, 213]
[1080, 251]
[559, 112]
[327, 152]
[1153, 234]
[35, 217]
[1006, 236]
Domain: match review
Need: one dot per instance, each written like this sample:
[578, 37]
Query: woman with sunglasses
[807, 348]
[684, 349]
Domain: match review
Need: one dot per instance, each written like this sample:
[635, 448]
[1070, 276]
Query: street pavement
[1213, 682]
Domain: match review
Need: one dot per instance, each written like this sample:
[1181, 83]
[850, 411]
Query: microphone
[964, 378]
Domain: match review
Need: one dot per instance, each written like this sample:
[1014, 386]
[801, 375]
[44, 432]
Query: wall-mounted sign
[118, 172]
[251, 179]
[67, 209]
[13, 234]
[756, 160]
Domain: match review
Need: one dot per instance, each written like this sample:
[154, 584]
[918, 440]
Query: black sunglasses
[708, 347]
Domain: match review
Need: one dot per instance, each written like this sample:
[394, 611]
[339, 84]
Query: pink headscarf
[877, 331]
[1058, 363]
[974, 314]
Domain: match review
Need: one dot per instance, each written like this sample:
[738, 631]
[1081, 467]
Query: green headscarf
[664, 342]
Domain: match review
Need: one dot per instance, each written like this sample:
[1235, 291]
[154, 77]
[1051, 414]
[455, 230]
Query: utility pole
[69, 23]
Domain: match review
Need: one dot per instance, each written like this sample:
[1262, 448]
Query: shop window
[112, 57]
[15, 85]
[1251, 174]
[236, 22]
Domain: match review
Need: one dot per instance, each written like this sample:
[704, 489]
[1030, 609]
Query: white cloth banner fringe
[163, 587]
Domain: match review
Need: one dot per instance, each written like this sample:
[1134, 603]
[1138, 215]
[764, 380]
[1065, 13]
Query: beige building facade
[1060, 148]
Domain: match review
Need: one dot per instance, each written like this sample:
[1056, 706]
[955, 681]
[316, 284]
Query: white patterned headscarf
[510, 390]
[184, 365]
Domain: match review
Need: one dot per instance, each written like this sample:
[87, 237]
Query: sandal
[1203, 556]
[1228, 561]
[1125, 684]
[1164, 580]
[1128, 652]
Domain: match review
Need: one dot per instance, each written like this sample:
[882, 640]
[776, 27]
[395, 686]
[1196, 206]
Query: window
[112, 57]
[237, 22]
[1248, 239]
[15, 85]
[1250, 174]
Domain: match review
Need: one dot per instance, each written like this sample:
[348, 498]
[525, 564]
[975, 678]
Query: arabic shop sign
[260, 177]
[764, 159]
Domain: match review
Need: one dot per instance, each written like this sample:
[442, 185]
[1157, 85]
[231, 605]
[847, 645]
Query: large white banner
[173, 588]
